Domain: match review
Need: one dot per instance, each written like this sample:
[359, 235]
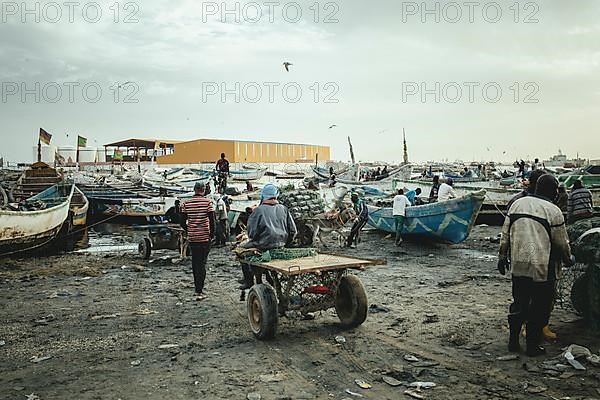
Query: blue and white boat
[449, 221]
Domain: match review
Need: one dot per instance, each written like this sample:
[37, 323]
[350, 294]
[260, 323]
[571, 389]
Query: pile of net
[303, 203]
[280, 254]
[587, 249]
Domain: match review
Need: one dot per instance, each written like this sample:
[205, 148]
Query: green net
[282, 254]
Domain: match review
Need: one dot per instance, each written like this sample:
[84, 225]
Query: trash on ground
[422, 385]
[413, 394]
[578, 351]
[376, 308]
[574, 363]
[536, 389]
[104, 316]
[36, 359]
[351, 393]
[362, 384]
[276, 377]
[168, 346]
[2, 343]
[253, 396]
[508, 357]
[410, 358]
[340, 339]
[431, 318]
[391, 381]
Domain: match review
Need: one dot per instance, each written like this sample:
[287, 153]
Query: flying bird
[286, 65]
[120, 85]
[380, 132]
[332, 126]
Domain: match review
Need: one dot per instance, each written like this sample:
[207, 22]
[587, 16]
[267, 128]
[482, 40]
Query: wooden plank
[318, 263]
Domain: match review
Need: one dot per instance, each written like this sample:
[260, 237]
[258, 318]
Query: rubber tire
[262, 299]
[351, 302]
[145, 248]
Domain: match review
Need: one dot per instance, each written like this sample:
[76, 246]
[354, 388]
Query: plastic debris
[105, 316]
[253, 396]
[36, 359]
[200, 325]
[33, 396]
[423, 385]
[168, 346]
[574, 363]
[340, 339]
[276, 377]
[135, 363]
[376, 308]
[391, 381]
[413, 394]
[578, 351]
[362, 384]
[2, 343]
[508, 357]
[431, 318]
[410, 358]
[351, 393]
[594, 360]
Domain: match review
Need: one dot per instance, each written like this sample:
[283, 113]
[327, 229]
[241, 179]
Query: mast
[351, 151]
[405, 147]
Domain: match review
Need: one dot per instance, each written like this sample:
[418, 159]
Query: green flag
[81, 141]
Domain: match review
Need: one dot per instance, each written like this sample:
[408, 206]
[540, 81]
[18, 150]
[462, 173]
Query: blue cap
[270, 191]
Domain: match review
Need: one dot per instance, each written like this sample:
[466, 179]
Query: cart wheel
[145, 248]
[351, 301]
[262, 311]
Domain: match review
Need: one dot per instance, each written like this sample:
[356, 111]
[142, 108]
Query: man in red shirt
[200, 232]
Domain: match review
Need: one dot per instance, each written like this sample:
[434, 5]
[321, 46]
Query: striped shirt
[198, 223]
[580, 202]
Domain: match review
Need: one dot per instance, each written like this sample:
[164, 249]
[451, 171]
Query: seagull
[287, 65]
[333, 126]
[123, 84]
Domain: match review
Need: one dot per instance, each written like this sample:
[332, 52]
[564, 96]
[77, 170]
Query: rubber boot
[534, 338]
[248, 278]
[548, 334]
[514, 325]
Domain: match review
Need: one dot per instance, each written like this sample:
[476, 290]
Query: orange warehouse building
[237, 151]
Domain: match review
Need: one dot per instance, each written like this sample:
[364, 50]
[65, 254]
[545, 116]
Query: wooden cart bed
[318, 263]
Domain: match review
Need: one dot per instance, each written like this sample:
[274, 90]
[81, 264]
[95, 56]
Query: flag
[118, 155]
[45, 137]
[81, 141]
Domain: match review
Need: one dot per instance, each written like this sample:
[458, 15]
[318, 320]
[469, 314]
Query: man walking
[580, 204]
[200, 232]
[399, 212]
[534, 243]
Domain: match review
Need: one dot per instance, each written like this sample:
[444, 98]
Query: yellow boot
[548, 334]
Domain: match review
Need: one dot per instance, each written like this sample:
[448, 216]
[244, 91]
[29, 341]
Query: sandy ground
[102, 321]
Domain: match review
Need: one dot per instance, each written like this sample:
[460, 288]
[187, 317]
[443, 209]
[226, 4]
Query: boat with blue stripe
[448, 221]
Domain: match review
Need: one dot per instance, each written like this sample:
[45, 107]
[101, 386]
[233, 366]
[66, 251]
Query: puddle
[109, 238]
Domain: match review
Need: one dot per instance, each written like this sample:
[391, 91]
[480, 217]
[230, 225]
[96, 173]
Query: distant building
[138, 150]
[237, 151]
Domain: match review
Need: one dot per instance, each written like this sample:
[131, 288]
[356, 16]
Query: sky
[489, 81]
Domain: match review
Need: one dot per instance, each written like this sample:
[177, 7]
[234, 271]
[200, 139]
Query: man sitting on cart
[270, 226]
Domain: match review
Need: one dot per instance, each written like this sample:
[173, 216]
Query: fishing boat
[449, 221]
[79, 207]
[400, 171]
[243, 175]
[36, 221]
[590, 176]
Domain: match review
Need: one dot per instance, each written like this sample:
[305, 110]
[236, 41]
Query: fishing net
[281, 254]
[309, 292]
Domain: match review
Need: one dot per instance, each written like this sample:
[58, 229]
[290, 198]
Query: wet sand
[115, 326]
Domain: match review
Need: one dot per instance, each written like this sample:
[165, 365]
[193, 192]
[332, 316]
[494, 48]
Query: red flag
[45, 137]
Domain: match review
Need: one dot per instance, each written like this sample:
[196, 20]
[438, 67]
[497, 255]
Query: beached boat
[401, 171]
[35, 221]
[448, 221]
[243, 175]
[79, 207]
[590, 176]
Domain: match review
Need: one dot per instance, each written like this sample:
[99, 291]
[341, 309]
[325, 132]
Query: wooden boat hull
[20, 230]
[449, 221]
[400, 171]
[79, 208]
[245, 175]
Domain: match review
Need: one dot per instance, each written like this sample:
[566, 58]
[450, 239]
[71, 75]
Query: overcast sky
[373, 61]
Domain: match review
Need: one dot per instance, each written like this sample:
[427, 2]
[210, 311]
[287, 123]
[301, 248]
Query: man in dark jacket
[270, 226]
[362, 217]
[580, 204]
[533, 178]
